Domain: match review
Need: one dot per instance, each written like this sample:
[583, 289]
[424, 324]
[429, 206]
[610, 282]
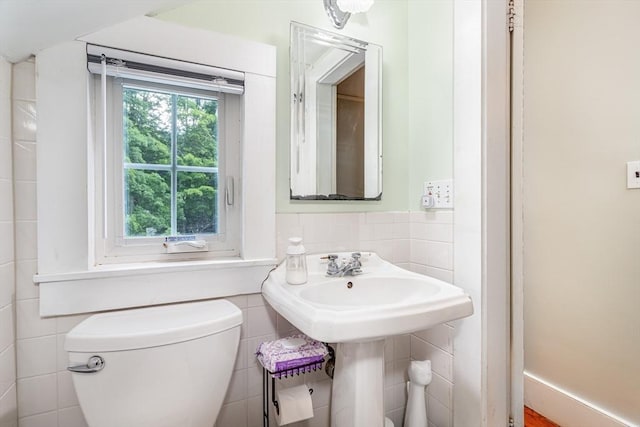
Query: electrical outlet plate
[440, 192]
[633, 174]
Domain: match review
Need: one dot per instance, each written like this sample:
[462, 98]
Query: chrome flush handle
[95, 364]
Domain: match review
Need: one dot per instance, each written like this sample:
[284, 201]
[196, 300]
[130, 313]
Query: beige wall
[582, 226]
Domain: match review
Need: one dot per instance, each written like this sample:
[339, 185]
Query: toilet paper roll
[295, 405]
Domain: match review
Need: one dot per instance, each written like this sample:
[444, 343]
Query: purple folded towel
[281, 358]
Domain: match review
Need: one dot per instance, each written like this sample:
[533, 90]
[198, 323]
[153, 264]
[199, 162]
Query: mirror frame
[304, 128]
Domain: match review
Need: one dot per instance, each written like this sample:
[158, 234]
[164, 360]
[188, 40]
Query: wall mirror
[336, 129]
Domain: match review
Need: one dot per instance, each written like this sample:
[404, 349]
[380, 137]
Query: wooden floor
[533, 419]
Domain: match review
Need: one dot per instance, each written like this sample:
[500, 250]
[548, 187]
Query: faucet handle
[356, 255]
[332, 257]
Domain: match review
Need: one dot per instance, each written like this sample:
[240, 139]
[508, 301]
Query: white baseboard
[564, 408]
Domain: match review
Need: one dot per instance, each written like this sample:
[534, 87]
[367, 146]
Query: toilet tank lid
[152, 326]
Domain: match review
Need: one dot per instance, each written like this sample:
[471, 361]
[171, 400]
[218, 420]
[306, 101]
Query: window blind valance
[133, 65]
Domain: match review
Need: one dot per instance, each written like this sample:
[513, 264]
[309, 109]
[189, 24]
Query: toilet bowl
[164, 366]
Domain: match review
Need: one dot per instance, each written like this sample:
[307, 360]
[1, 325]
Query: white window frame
[69, 280]
[115, 247]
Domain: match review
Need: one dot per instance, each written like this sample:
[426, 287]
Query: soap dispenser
[296, 262]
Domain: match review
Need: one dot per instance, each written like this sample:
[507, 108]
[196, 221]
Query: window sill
[134, 285]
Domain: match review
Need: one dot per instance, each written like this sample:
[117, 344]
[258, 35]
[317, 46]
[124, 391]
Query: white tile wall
[418, 241]
[8, 398]
[432, 254]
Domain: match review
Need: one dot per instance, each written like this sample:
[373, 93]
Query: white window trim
[66, 229]
[115, 248]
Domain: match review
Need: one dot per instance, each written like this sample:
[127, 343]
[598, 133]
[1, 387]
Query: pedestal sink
[357, 313]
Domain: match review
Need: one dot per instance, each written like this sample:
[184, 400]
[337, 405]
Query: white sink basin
[385, 300]
[365, 291]
[357, 313]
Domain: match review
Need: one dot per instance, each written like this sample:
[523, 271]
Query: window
[170, 162]
[170, 168]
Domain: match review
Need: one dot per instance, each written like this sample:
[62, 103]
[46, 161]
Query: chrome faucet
[351, 268]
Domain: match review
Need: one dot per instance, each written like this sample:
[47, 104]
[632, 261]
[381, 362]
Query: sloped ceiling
[28, 26]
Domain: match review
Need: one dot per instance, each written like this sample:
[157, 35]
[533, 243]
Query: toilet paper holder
[266, 375]
[273, 396]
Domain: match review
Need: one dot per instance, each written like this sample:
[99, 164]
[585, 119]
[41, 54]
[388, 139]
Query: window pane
[197, 203]
[147, 124]
[147, 203]
[197, 131]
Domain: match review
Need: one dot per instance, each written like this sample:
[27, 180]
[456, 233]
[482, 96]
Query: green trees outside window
[170, 155]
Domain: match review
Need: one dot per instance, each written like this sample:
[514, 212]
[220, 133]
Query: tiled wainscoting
[419, 241]
[8, 403]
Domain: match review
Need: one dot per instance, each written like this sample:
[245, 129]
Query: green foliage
[148, 134]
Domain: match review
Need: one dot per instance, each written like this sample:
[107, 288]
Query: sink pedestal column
[357, 398]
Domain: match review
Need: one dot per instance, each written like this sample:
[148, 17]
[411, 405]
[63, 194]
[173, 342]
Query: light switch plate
[633, 174]
[440, 192]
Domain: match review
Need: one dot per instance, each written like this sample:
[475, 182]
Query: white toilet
[164, 366]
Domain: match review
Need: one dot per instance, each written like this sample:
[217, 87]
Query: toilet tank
[164, 366]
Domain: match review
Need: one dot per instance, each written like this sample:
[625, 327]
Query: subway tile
[25, 201]
[437, 273]
[401, 217]
[380, 217]
[48, 419]
[321, 417]
[233, 415]
[7, 290]
[396, 416]
[441, 361]
[284, 327]
[439, 414]
[7, 369]
[24, 81]
[6, 158]
[6, 243]
[9, 408]
[66, 323]
[441, 389]
[254, 412]
[401, 251]
[37, 395]
[239, 301]
[418, 251]
[383, 231]
[62, 357]
[6, 327]
[241, 357]
[255, 300]
[66, 391]
[237, 389]
[404, 265]
[432, 216]
[252, 346]
[37, 356]
[24, 120]
[401, 347]
[26, 243]
[25, 288]
[24, 161]
[440, 335]
[30, 324]
[260, 321]
[440, 255]
[254, 381]
[6, 196]
[71, 417]
[330, 228]
[440, 232]
[401, 230]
